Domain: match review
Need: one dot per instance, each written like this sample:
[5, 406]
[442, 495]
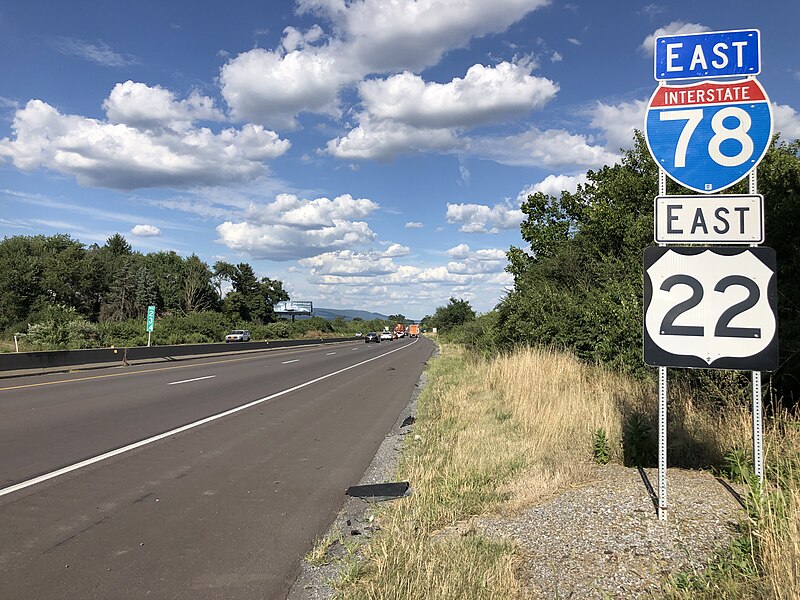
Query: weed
[737, 465]
[318, 555]
[637, 444]
[601, 449]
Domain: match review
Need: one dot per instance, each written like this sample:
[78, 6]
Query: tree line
[112, 283]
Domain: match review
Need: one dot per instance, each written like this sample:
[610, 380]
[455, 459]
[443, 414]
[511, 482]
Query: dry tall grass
[557, 403]
[500, 435]
[780, 545]
[778, 514]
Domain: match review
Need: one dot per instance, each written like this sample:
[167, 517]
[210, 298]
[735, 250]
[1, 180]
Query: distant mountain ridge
[332, 313]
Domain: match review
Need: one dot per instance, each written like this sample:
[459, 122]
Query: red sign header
[667, 96]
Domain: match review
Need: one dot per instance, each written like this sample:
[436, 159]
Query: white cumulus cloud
[273, 87]
[618, 121]
[145, 231]
[484, 95]
[144, 107]
[787, 122]
[396, 250]
[479, 218]
[553, 185]
[395, 36]
[460, 251]
[307, 72]
[385, 140]
[554, 148]
[291, 228]
[121, 156]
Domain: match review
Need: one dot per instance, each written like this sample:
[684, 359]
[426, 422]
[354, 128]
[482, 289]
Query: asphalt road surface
[205, 479]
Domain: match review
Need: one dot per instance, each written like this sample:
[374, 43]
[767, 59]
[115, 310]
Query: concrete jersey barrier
[72, 358]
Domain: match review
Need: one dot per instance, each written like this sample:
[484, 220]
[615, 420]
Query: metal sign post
[662, 404]
[758, 425]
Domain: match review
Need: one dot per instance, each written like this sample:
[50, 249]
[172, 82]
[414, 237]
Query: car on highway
[238, 335]
[387, 335]
[372, 337]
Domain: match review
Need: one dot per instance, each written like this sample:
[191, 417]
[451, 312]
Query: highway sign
[709, 135]
[706, 55]
[151, 317]
[725, 219]
[710, 308]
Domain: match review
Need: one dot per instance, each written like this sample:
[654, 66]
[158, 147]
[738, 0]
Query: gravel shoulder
[604, 539]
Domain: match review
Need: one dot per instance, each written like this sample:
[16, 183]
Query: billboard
[293, 307]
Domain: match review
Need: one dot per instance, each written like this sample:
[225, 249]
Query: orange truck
[413, 331]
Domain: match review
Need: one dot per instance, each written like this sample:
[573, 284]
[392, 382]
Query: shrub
[60, 328]
[281, 330]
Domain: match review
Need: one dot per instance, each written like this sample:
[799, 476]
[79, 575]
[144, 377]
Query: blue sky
[370, 154]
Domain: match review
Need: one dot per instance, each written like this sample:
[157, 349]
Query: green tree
[121, 302]
[197, 291]
[455, 313]
[146, 291]
[37, 271]
[222, 274]
[118, 246]
[167, 271]
[252, 299]
[60, 328]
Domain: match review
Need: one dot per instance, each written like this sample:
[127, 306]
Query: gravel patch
[605, 540]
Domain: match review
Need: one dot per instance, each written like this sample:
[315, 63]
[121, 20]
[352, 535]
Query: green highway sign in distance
[151, 317]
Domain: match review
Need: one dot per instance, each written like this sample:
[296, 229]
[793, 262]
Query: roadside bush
[318, 324]
[199, 327]
[121, 333]
[60, 327]
[282, 330]
[479, 335]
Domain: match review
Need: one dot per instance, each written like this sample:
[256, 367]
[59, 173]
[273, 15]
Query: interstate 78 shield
[711, 308]
[709, 135]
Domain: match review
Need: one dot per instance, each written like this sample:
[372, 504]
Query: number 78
[694, 116]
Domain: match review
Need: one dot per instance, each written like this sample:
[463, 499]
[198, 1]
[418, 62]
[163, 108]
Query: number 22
[723, 328]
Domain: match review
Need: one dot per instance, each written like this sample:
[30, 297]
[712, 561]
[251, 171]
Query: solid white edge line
[105, 456]
[190, 380]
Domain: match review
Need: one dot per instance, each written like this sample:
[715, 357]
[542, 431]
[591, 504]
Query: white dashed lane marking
[190, 380]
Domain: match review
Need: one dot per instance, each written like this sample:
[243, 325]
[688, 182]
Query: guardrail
[72, 358]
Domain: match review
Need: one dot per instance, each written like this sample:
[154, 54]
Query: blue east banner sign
[708, 55]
